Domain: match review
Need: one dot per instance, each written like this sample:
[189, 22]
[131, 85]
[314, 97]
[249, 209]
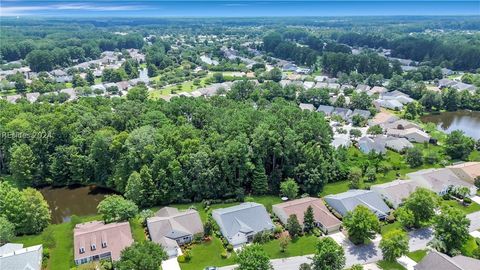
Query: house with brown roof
[324, 220]
[172, 228]
[96, 240]
[467, 171]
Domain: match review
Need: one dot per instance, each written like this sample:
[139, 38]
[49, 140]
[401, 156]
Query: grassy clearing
[138, 232]
[417, 255]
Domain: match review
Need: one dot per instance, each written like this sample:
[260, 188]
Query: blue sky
[234, 8]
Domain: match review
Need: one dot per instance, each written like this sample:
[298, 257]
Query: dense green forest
[189, 149]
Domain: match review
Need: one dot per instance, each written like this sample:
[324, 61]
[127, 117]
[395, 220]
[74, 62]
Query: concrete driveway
[358, 254]
[474, 221]
[419, 238]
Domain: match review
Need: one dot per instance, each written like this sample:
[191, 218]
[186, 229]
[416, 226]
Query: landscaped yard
[473, 207]
[390, 227]
[417, 255]
[207, 254]
[301, 246]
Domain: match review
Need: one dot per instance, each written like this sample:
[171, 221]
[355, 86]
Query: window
[104, 244]
[93, 247]
[82, 250]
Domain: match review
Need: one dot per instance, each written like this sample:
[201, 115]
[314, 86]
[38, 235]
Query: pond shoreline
[466, 120]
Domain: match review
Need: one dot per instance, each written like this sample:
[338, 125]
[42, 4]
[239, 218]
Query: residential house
[382, 118]
[32, 97]
[321, 85]
[439, 261]
[447, 72]
[327, 110]
[375, 144]
[13, 98]
[445, 83]
[307, 106]
[341, 140]
[460, 86]
[363, 113]
[335, 86]
[240, 223]
[400, 124]
[308, 85]
[377, 90]
[396, 191]
[411, 134]
[289, 67]
[391, 104]
[16, 257]
[440, 180]
[346, 202]
[467, 171]
[72, 95]
[324, 220]
[320, 78]
[172, 228]
[344, 113]
[362, 88]
[346, 86]
[96, 240]
[398, 96]
[398, 144]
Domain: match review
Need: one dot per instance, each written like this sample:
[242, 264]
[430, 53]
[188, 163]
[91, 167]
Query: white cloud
[29, 10]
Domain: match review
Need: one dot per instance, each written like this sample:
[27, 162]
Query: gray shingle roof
[237, 221]
[438, 261]
[348, 201]
[15, 257]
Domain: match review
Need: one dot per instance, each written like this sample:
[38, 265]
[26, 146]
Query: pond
[467, 121]
[74, 200]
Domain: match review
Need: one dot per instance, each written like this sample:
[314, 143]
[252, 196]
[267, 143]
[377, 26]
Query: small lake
[74, 200]
[467, 121]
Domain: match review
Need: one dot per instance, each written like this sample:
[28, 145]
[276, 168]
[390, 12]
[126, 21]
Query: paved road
[474, 221]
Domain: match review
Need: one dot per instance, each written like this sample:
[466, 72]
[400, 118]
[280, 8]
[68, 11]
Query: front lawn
[469, 247]
[301, 246]
[417, 255]
[386, 265]
[390, 227]
[473, 207]
[207, 254]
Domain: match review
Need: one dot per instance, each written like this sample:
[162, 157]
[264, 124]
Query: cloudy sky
[230, 8]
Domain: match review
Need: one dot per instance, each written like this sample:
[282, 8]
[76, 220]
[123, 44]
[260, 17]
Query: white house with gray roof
[240, 223]
[396, 191]
[16, 257]
[347, 201]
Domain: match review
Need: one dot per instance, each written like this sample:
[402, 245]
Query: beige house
[467, 171]
[411, 134]
[325, 220]
[96, 241]
[396, 191]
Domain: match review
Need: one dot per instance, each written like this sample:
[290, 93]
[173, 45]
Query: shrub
[224, 254]
[467, 200]
[181, 259]
[229, 248]
[278, 229]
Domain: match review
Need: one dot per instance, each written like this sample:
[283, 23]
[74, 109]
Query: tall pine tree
[308, 220]
[259, 181]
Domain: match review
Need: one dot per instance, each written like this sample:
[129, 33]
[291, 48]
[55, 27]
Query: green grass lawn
[386, 265]
[207, 254]
[301, 246]
[469, 247]
[473, 207]
[390, 227]
[138, 232]
[417, 255]
[474, 156]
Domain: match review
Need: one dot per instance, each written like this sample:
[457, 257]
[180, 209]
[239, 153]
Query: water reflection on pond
[74, 200]
[467, 121]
